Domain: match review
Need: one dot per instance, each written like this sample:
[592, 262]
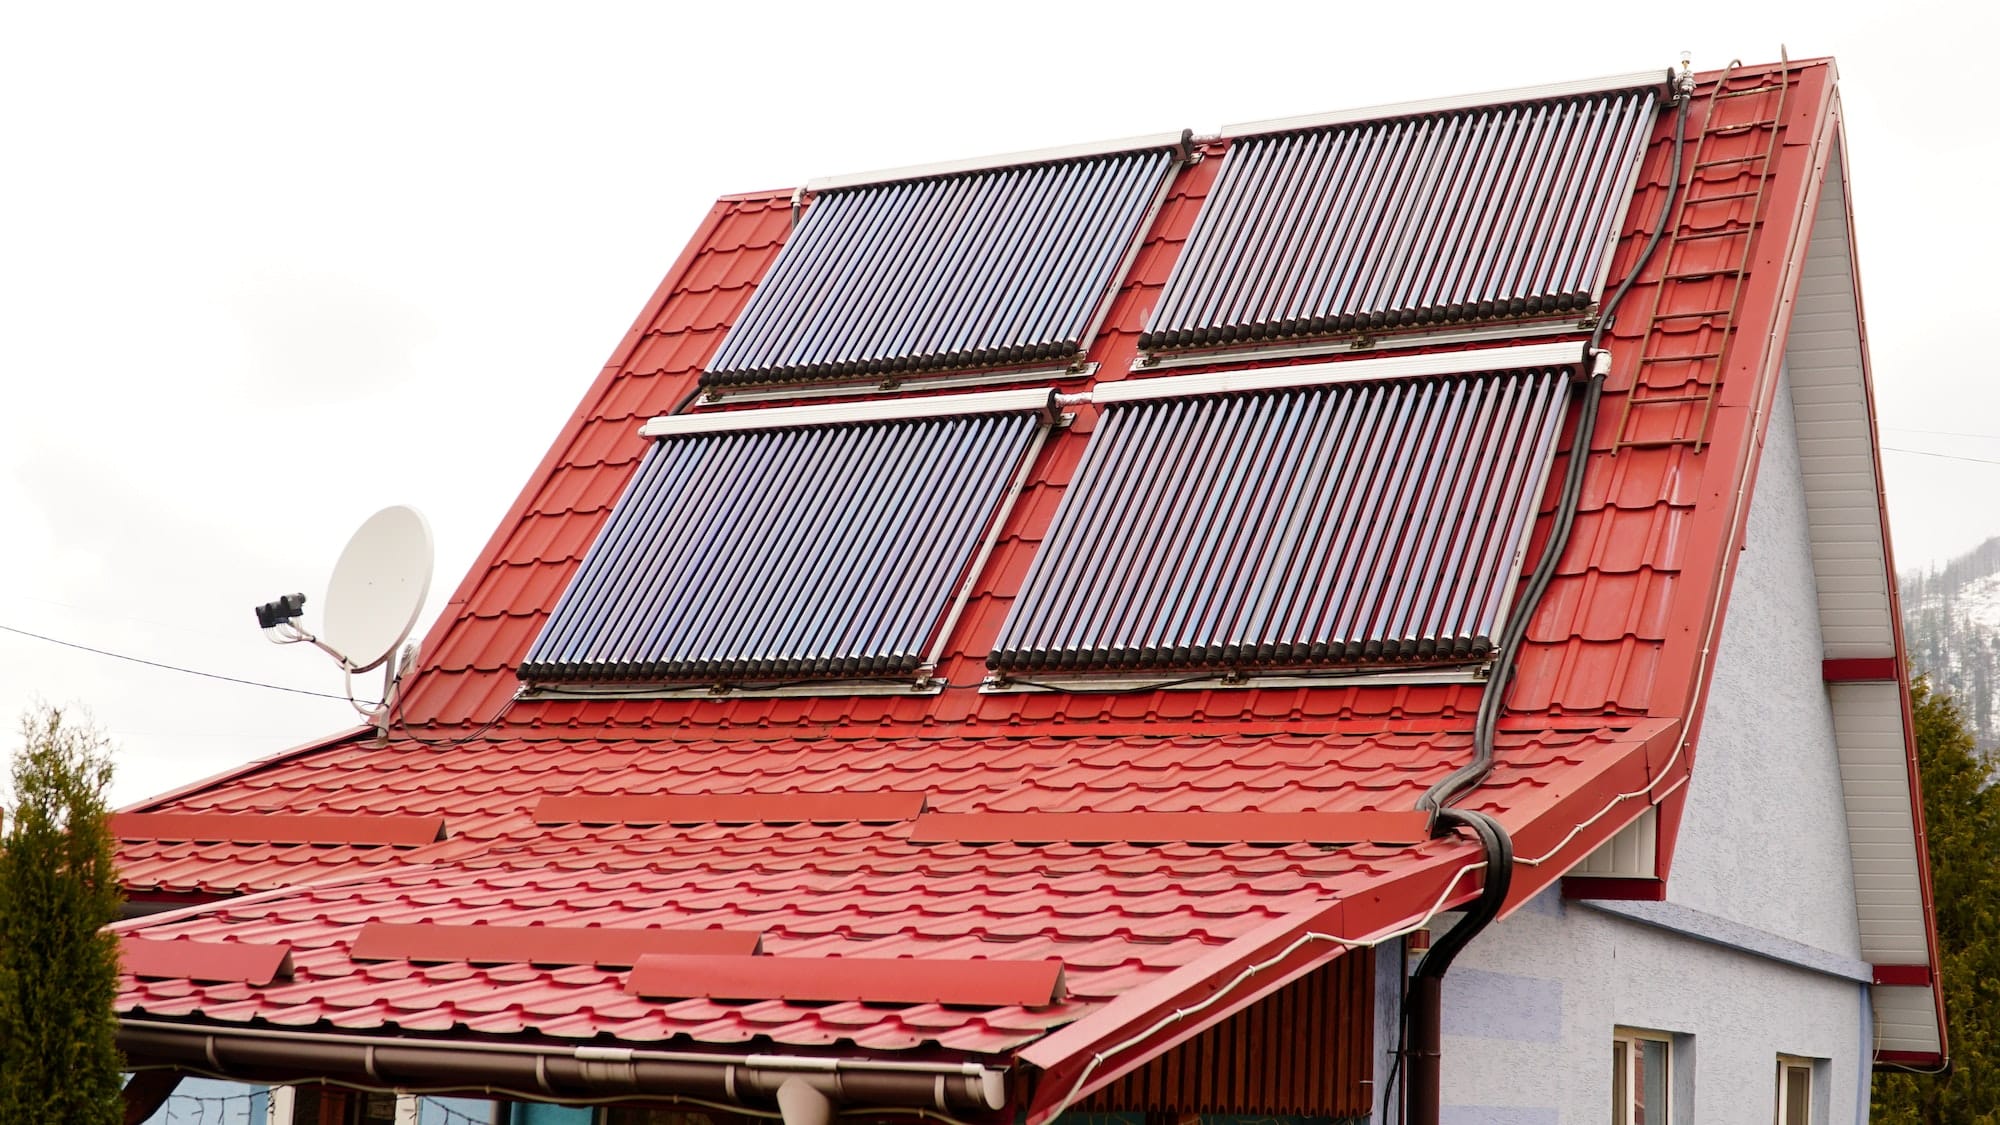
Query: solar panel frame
[988, 268]
[818, 552]
[1449, 217]
[1339, 525]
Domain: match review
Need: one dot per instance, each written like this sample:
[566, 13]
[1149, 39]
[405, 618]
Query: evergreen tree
[1962, 820]
[58, 965]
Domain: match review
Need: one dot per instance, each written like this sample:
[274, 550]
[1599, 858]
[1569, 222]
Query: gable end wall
[1530, 1008]
[1763, 840]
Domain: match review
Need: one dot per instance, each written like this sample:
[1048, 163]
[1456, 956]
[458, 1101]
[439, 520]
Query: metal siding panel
[977, 269]
[1306, 1050]
[827, 551]
[1473, 214]
[1328, 525]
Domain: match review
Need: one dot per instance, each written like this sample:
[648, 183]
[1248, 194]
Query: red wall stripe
[1864, 669]
[1913, 976]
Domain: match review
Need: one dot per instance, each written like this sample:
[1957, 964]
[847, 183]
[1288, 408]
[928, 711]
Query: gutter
[805, 1088]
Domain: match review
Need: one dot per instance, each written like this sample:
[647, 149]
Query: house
[1146, 628]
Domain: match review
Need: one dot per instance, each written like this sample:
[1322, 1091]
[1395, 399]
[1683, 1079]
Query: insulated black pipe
[1423, 1049]
[1508, 645]
[1422, 1002]
[1423, 994]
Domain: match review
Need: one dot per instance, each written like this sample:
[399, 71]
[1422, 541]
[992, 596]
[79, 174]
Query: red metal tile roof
[732, 808]
[980, 982]
[1600, 713]
[603, 946]
[210, 962]
[366, 830]
[1115, 915]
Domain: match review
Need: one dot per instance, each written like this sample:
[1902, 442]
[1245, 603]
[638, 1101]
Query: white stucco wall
[1530, 1008]
[1764, 837]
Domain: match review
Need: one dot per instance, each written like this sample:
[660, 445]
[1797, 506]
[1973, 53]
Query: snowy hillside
[1951, 622]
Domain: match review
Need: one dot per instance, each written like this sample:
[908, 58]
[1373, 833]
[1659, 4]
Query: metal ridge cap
[998, 160]
[1028, 400]
[1661, 77]
[1566, 353]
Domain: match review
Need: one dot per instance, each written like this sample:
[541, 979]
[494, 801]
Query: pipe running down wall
[557, 1074]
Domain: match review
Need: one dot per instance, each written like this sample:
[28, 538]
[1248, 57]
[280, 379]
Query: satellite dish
[378, 588]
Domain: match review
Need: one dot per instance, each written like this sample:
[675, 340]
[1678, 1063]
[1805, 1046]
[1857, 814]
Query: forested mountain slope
[1951, 621]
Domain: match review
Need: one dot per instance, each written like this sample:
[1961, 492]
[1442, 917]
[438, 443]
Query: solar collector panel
[816, 552]
[985, 268]
[1421, 618]
[1322, 526]
[799, 526]
[1463, 215]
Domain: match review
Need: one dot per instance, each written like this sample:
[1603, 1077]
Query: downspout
[1423, 1002]
[802, 1103]
[1864, 1062]
[1423, 1006]
[553, 1073]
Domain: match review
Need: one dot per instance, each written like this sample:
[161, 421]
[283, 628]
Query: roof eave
[1140, 1025]
[554, 1071]
[1912, 765]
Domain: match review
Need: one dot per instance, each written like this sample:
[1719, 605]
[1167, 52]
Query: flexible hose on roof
[1422, 1055]
[1499, 879]
[1508, 644]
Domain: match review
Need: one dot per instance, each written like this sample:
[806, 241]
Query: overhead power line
[1940, 456]
[1943, 433]
[169, 667]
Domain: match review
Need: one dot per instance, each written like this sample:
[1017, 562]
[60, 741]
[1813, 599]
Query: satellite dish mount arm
[281, 627]
[373, 597]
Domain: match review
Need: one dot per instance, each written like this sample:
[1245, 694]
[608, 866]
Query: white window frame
[1787, 1065]
[1627, 1044]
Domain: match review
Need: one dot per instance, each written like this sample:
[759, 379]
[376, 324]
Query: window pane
[534, 1113]
[433, 1110]
[1798, 1095]
[1652, 1083]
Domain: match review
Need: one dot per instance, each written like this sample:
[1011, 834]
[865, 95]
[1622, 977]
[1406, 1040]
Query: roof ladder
[1707, 259]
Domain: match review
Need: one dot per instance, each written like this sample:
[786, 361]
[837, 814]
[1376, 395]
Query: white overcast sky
[266, 268]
